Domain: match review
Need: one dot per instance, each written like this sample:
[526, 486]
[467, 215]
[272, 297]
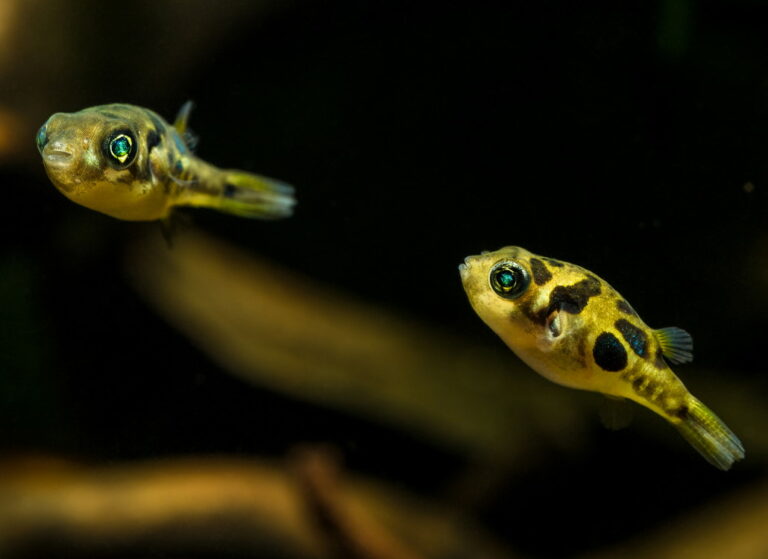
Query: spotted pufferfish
[127, 162]
[574, 329]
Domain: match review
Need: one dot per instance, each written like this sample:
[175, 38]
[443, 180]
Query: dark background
[630, 139]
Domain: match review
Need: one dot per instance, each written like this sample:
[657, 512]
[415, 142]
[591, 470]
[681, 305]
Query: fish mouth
[57, 155]
[464, 267]
[57, 158]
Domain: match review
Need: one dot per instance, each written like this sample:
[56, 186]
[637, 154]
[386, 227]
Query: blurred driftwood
[285, 332]
[735, 527]
[221, 506]
[282, 331]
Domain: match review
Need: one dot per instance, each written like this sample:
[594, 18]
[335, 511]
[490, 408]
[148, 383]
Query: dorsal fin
[181, 124]
[676, 344]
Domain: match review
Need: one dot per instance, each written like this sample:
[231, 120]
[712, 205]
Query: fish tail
[709, 435]
[250, 195]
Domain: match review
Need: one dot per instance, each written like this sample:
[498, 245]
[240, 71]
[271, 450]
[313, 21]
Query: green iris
[42, 137]
[121, 147]
[509, 279]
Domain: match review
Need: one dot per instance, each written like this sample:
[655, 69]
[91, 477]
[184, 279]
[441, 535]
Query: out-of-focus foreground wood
[282, 331]
[735, 527]
[303, 509]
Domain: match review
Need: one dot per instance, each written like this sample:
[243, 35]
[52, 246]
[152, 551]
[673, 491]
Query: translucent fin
[167, 229]
[710, 436]
[251, 195]
[180, 124]
[172, 224]
[676, 344]
[616, 413]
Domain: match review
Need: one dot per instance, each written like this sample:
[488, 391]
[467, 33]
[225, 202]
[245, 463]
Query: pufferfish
[574, 329]
[127, 162]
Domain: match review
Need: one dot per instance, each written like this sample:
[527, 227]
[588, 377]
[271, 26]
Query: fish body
[127, 162]
[573, 328]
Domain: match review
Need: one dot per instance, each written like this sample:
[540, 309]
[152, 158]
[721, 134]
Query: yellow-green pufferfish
[574, 329]
[127, 162]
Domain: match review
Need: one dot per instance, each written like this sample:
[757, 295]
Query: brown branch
[735, 527]
[245, 506]
[285, 332]
[352, 530]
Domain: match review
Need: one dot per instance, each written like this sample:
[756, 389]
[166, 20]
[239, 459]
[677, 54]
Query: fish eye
[509, 279]
[42, 137]
[122, 148]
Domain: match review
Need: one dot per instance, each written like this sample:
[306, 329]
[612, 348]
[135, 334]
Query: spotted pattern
[153, 139]
[229, 191]
[634, 336]
[573, 298]
[553, 262]
[659, 361]
[156, 122]
[644, 385]
[541, 273]
[640, 384]
[609, 353]
[681, 412]
[625, 307]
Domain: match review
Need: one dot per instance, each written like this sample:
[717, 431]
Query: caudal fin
[249, 195]
[710, 436]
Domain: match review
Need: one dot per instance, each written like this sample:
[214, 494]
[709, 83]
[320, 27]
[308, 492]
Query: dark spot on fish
[140, 172]
[625, 307]
[153, 139]
[229, 191]
[573, 349]
[573, 298]
[526, 307]
[156, 122]
[553, 262]
[659, 361]
[178, 166]
[609, 353]
[680, 412]
[637, 383]
[541, 273]
[635, 337]
[581, 349]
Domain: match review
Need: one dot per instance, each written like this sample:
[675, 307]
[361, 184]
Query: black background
[619, 137]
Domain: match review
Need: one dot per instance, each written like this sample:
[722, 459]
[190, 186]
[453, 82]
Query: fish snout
[465, 267]
[57, 155]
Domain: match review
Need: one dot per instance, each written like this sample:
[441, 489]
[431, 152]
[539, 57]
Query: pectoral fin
[676, 344]
[559, 322]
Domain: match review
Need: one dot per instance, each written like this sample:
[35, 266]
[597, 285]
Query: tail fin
[249, 195]
[710, 436]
